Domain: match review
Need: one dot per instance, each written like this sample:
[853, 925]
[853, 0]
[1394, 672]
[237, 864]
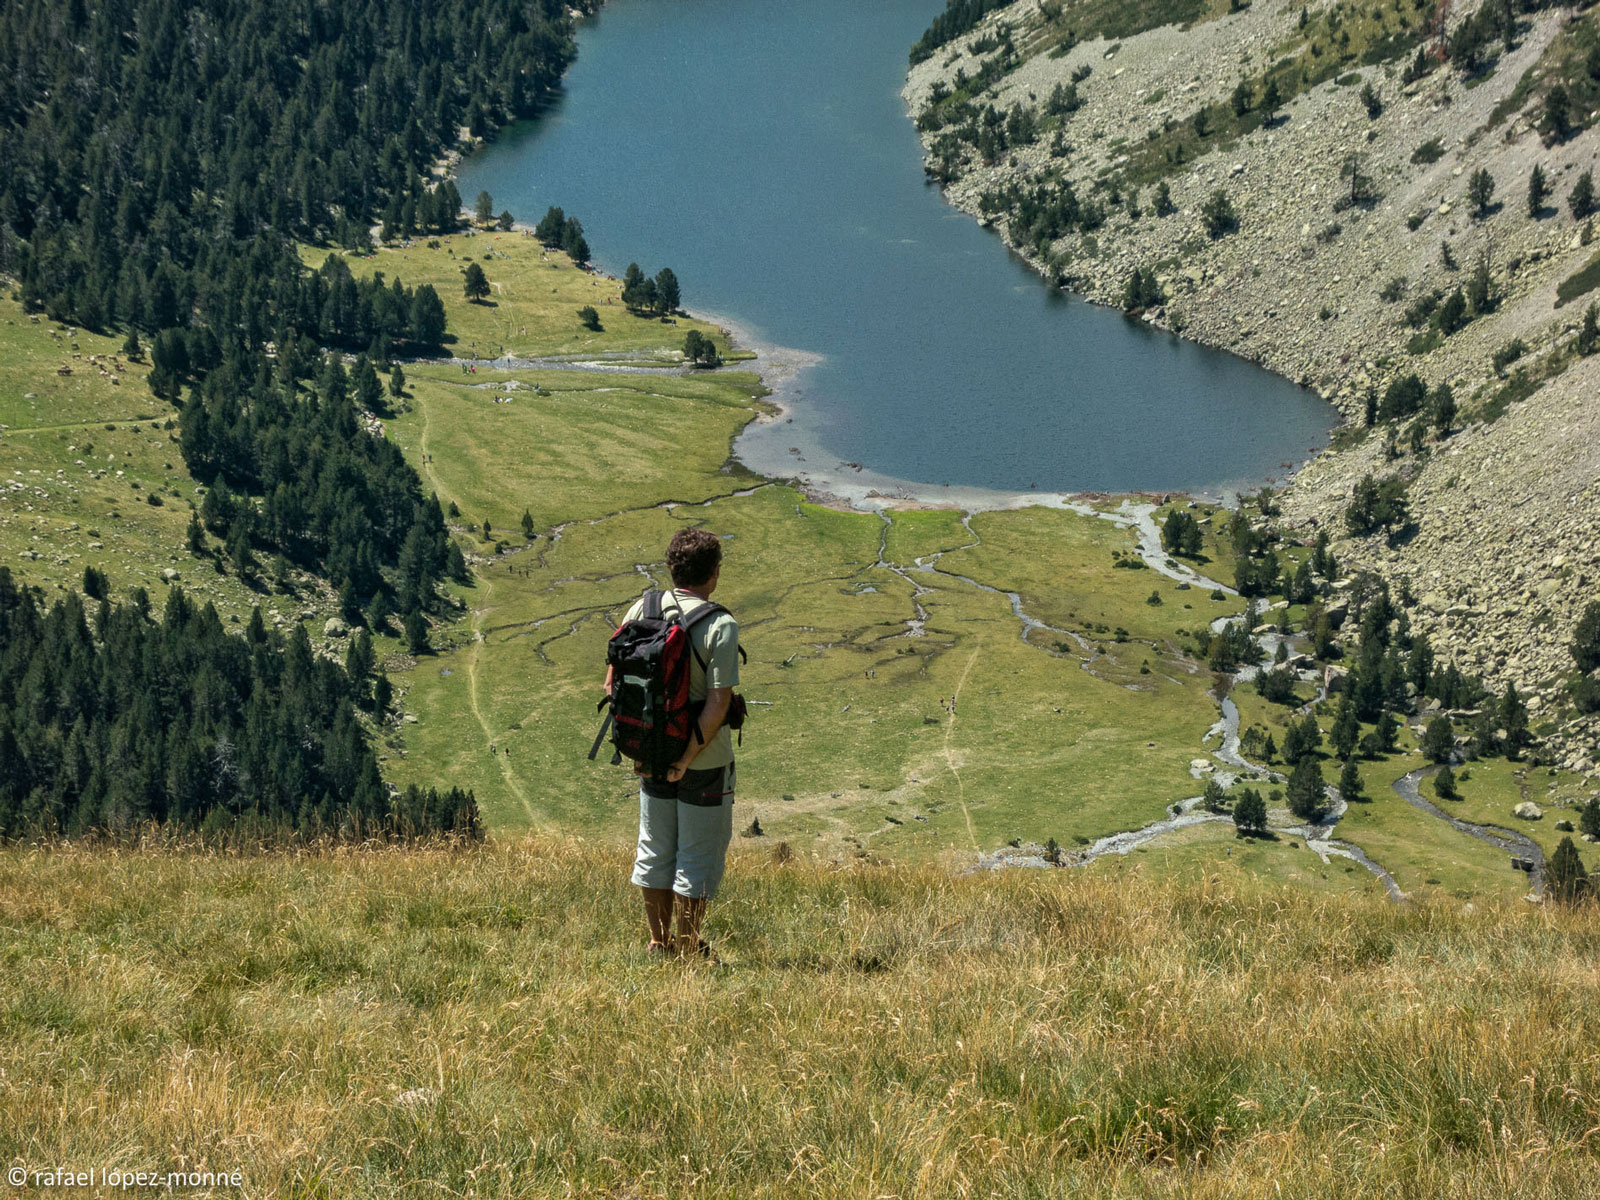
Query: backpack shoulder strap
[652, 605]
[708, 609]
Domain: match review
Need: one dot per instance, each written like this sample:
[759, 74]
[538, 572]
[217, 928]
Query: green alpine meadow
[1171, 753]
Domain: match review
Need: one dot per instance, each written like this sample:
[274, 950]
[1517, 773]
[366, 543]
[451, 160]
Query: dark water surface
[761, 149]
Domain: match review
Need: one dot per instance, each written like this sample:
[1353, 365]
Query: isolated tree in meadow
[1538, 190]
[667, 296]
[1566, 878]
[1180, 534]
[1307, 788]
[1580, 201]
[476, 283]
[1444, 783]
[1350, 785]
[485, 208]
[589, 317]
[1250, 812]
[527, 524]
[1480, 192]
[551, 226]
[700, 350]
[397, 381]
[574, 243]
[505, 221]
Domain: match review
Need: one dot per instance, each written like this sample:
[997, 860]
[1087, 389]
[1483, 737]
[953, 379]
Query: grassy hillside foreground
[483, 1023]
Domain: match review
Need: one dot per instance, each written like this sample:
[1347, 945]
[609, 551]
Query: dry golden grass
[482, 1022]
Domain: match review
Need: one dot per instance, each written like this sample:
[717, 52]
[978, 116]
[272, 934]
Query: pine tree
[1580, 201]
[1444, 784]
[527, 524]
[667, 295]
[1566, 877]
[1388, 732]
[1514, 720]
[456, 564]
[1480, 192]
[476, 283]
[485, 208]
[1306, 788]
[1589, 332]
[1243, 97]
[1271, 100]
[368, 388]
[1250, 812]
[1557, 120]
[1439, 741]
[1585, 645]
[416, 631]
[550, 228]
[1350, 785]
[1345, 735]
[397, 382]
[1444, 409]
[1538, 190]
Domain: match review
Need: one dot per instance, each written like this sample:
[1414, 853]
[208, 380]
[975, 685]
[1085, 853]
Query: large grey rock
[335, 627]
[1528, 811]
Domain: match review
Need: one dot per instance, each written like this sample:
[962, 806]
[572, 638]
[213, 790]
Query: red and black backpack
[651, 717]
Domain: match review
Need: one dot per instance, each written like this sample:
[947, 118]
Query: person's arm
[711, 718]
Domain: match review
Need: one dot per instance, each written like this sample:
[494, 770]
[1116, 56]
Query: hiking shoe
[705, 954]
[658, 951]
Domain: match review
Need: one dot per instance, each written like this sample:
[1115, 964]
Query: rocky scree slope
[1503, 551]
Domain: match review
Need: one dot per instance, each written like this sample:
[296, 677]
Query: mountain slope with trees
[1393, 204]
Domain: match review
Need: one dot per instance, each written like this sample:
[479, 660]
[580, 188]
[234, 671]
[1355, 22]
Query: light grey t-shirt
[716, 640]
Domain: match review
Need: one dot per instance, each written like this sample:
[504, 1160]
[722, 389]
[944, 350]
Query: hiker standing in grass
[673, 706]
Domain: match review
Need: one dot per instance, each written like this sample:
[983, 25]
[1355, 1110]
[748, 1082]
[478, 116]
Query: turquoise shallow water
[762, 151]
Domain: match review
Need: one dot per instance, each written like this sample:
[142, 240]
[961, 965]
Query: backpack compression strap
[652, 611]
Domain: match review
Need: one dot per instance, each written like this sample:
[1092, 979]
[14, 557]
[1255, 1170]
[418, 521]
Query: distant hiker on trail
[670, 675]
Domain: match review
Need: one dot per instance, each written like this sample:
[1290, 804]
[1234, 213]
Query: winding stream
[1518, 845]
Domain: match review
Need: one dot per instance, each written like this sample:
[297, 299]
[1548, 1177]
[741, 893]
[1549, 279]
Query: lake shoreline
[849, 485]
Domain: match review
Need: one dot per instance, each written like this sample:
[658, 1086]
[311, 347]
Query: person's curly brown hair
[693, 557]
